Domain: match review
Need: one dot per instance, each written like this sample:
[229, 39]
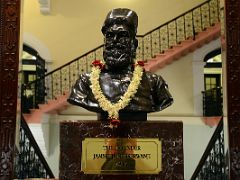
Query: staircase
[53, 106]
[29, 161]
[37, 129]
[39, 118]
[186, 46]
[213, 164]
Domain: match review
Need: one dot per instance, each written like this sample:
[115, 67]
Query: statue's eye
[109, 34]
[123, 34]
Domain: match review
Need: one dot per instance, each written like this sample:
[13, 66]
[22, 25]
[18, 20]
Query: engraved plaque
[73, 134]
[121, 156]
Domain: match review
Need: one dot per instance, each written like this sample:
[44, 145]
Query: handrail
[30, 157]
[156, 41]
[218, 134]
[74, 60]
[176, 17]
[35, 146]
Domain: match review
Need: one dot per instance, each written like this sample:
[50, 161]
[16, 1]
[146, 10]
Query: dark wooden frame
[232, 17]
[9, 58]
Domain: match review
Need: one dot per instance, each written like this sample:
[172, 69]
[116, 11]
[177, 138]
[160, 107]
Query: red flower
[140, 63]
[115, 122]
[98, 63]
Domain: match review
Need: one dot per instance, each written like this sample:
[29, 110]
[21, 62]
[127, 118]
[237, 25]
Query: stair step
[160, 55]
[37, 132]
[51, 101]
[42, 106]
[52, 107]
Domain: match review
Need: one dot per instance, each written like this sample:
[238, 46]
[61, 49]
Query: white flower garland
[104, 103]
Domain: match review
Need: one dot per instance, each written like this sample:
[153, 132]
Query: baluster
[167, 37]
[60, 82]
[164, 38]
[147, 47]
[172, 34]
[57, 85]
[139, 51]
[188, 25]
[193, 28]
[155, 42]
[73, 73]
[83, 65]
[99, 53]
[29, 163]
[52, 86]
[180, 29]
[69, 77]
[65, 80]
[90, 58]
[212, 164]
[205, 16]
[197, 20]
[175, 22]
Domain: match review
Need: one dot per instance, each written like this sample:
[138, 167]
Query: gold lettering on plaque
[121, 155]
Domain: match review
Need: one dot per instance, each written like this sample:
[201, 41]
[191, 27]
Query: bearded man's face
[118, 47]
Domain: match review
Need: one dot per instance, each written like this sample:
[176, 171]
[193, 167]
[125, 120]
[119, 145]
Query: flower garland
[104, 103]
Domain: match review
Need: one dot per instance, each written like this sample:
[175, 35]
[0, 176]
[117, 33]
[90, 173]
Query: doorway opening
[33, 84]
[212, 94]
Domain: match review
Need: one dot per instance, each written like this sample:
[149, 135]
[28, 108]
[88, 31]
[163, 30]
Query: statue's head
[120, 43]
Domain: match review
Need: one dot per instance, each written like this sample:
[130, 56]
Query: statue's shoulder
[153, 77]
[84, 77]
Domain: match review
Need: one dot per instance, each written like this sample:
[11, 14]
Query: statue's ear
[134, 47]
[135, 43]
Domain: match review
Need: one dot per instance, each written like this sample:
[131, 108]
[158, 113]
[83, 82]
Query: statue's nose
[115, 38]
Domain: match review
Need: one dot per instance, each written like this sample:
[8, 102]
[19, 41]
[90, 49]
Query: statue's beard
[117, 56]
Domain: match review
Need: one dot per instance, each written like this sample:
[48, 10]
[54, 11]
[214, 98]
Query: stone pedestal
[73, 133]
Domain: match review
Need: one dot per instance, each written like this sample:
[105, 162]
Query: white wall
[74, 27]
[179, 77]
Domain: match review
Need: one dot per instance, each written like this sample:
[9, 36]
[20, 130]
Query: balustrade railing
[157, 41]
[29, 160]
[212, 165]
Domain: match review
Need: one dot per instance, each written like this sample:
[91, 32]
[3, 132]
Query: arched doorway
[33, 69]
[212, 94]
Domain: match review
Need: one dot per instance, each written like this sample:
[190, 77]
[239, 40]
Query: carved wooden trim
[9, 35]
[9, 57]
[233, 83]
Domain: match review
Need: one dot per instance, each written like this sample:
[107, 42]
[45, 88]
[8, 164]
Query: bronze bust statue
[116, 75]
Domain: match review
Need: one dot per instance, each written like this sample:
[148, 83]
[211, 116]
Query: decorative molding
[9, 57]
[35, 43]
[236, 161]
[233, 83]
[45, 6]
[9, 34]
